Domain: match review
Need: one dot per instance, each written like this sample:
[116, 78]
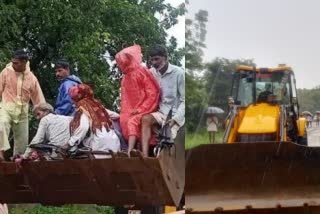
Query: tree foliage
[83, 31]
[195, 90]
[210, 89]
[195, 40]
[218, 77]
[309, 99]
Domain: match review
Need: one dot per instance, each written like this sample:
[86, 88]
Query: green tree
[196, 99]
[218, 77]
[309, 99]
[86, 33]
[83, 31]
[195, 88]
[195, 40]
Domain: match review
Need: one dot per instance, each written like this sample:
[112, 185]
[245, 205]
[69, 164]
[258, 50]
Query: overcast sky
[268, 31]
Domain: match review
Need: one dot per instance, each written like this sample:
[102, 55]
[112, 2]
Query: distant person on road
[309, 121]
[230, 102]
[212, 127]
[317, 119]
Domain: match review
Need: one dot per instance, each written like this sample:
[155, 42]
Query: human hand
[18, 160]
[34, 155]
[171, 122]
[114, 117]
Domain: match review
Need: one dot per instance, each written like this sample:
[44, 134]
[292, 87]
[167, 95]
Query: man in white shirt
[53, 128]
[171, 79]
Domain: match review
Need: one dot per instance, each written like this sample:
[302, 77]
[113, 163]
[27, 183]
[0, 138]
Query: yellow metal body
[233, 133]
[259, 119]
[169, 209]
[301, 122]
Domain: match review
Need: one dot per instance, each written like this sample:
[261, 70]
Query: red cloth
[85, 103]
[139, 91]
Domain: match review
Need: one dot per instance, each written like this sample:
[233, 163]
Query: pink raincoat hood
[129, 58]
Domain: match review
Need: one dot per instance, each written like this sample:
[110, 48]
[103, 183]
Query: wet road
[313, 135]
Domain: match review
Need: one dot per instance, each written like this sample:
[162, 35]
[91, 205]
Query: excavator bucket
[235, 178]
[116, 181]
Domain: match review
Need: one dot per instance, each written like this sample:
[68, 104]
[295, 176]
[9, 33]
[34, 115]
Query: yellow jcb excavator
[263, 164]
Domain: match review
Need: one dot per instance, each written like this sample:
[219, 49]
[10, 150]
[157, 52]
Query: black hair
[20, 54]
[61, 63]
[158, 50]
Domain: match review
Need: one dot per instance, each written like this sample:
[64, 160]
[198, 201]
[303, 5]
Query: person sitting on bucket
[91, 116]
[53, 129]
[171, 79]
[139, 95]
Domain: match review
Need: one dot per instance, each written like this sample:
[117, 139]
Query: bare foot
[122, 154]
[135, 153]
[128, 153]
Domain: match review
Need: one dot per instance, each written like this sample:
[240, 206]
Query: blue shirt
[64, 103]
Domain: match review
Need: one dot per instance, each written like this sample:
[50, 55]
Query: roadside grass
[201, 137]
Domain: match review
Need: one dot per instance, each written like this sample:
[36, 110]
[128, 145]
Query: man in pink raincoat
[18, 86]
[139, 95]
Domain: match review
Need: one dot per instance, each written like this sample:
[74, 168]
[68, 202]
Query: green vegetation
[67, 209]
[86, 33]
[201, 137]
[309, 99]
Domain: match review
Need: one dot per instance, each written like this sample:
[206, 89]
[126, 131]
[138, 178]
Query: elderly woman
[53, 129]
[139, 95]
[91, 124]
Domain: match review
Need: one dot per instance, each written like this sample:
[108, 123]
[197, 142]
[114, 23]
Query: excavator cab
[266, 107]
[263, 164]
